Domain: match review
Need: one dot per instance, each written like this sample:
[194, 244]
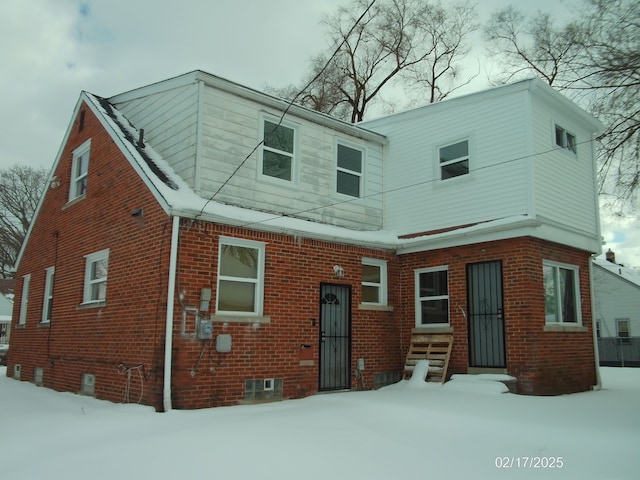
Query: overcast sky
[51, 50]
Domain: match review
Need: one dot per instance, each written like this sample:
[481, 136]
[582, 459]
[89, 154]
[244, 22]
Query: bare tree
[392, 37]
[526, 46]
[20, 191]
[594, 58]
[447, 32]
[611, 74]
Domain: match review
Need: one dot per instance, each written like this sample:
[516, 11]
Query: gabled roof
[625, 274]
[178, 199]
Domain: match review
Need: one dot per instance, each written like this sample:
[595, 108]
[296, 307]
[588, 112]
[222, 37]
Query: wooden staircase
[435, 347]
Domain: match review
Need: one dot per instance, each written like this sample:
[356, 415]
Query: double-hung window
[47, 302]
[565, 139]
[79, 170]
[561, 293]
[622, 327]
[278, 151]
[454, 160]
[240, 277]
[95, 277]
[349, 176]
[432, 296]
[24, 299]
[374, 281]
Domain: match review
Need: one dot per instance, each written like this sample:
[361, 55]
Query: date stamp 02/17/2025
[529, 462]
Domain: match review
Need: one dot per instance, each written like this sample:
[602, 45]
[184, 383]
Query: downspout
[168, 336]
[598, 384]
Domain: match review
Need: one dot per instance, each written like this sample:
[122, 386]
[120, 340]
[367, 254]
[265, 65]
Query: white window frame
[419, 299]
[564, 139]
[575, 270]
[24, 299]
[293, 155]
[79, 178]
[48, 294]
[627, 322]
[382, 286]
[453, 161]
[89, 282]
[257, 282]
[353, 173]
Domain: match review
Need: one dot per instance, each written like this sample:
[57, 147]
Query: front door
[486, 319]
[335, 337]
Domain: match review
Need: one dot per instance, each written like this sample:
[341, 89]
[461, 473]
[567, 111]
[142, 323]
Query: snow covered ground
[462, 430]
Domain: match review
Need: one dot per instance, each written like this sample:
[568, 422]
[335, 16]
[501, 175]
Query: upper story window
[240, 276]
[47, 302]
[24, 299]
[565, 139]
[278, 151]
[374, 281]
[432, 296]
[349, 177]
[454, 160]
[622, 327]
[95, 277]
[79, 170]
[561, 293]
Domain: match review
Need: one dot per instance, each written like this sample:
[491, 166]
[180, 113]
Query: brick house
[252, 254]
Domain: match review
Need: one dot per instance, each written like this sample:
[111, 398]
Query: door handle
[322, 337]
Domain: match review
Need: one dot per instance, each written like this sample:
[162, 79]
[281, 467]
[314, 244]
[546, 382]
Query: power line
[403, 187]
[289, 105]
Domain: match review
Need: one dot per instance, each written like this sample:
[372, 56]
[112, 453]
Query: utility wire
[289, 105]
[403, 187]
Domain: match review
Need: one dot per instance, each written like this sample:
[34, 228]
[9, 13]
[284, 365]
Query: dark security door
[486, 319]
[335, 337]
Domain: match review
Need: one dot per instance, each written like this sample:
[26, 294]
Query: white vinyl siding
[412, 170]
[170, 122]
[564, 182]
[215, 146]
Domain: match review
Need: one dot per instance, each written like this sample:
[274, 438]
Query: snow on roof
[175, 195]
[628, 274]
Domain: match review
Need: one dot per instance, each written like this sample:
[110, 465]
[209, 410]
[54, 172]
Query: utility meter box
[223, 343]
[205, 329]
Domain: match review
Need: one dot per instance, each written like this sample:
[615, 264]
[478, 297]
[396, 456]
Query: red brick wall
[128, 330]
[294, 270]
[544, 362]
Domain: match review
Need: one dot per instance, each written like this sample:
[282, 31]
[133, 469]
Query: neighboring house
[197, 247]
[617, 312]
[6, 308]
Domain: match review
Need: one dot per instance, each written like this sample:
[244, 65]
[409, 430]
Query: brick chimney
[611, 256]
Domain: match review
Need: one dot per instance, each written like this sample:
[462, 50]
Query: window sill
[44, 324]
[563, 327]
[433, 329]
[84, 306]
[375, 307]
[240, 319]
[74, 201]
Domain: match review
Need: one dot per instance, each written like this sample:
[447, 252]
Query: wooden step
[436, 348]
